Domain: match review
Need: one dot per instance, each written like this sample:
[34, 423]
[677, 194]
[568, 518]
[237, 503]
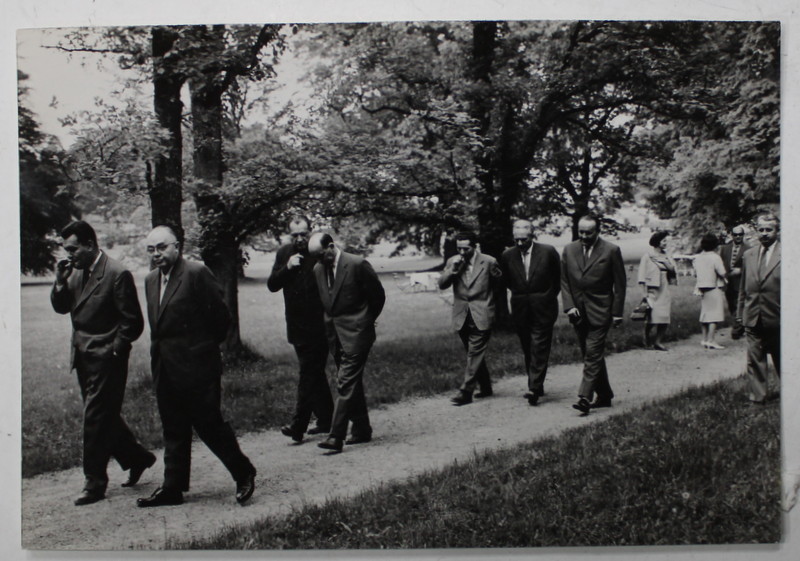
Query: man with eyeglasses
[188, 321]
[759, 306]
[293, 272]
[100, 296]
[732, 254]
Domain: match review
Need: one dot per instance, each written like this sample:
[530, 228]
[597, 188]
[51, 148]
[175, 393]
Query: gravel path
[410, 437]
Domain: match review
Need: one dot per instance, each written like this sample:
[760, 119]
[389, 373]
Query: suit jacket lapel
[518, 264]
[477, 268]
[342, 269]
[774, 261]
[152, 297]
[598, 246]
[536, 257]
[173, 284]
[93, 282]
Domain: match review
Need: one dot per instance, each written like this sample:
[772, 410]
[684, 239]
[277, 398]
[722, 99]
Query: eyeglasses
[161, 248]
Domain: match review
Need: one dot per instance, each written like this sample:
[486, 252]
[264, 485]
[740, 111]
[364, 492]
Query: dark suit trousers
[732, 296]
[198, 407]
[351, 402]
[592, 341]
[762, 341]
[536, 341]
[105, 434]
[313, 392]
[475, 342]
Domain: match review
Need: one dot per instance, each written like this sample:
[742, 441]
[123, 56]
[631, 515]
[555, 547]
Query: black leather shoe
[88, 497]
[533, 398]
[358, 439]
[583, 406]
[245, 488]
[161, 497]
[319, 430]
[135, 473]
[462, 398]
[332, 443]
[601, 403]
[481, 393]
[292, 433]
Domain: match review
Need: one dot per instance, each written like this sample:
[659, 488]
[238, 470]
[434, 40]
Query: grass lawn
[416, 354]
[675, 472]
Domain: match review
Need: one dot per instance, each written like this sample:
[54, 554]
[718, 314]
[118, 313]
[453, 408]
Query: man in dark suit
[593, 294]
[100, 296]
[759, 305]
[293, 272]
[188, 321]
[532, 272]
[473, 276]
[352, 297]
[732, 254]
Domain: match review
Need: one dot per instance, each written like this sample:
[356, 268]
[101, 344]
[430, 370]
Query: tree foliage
[46, 197]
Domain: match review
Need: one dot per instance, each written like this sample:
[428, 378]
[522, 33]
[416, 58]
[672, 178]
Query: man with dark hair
[188, 321]
[732, 254]
[106, 319]
[353, 298]
[293, 272]
[593, 293]
[759, 305]
[473, 276]
[532, 272]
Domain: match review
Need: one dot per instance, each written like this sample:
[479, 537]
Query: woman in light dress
[710, 286]
[656, 273]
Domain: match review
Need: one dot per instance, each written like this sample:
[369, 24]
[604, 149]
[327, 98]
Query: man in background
[100, 296]
[473, 276]
[732, 254]
[353, 298]
[593, 293]
[759, 305]
[293, 272]
[188, 321]
[532, 272]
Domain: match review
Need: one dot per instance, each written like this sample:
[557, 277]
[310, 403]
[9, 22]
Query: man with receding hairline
[352, 297]
[188, 321]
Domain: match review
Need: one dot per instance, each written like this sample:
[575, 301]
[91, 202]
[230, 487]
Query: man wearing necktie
[188, 321]
[293, 272]
[759, 306]
[593, 293]
[352, 297]
[532, 272]
[473, 276]
[106, 319]
[732, 254]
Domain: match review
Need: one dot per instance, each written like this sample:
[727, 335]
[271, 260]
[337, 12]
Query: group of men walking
[332, 302]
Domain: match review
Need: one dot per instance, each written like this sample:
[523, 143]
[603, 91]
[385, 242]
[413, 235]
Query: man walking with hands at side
[293, 273]
[532, 272]
[188, 321]
[593, 293]
[100, 296]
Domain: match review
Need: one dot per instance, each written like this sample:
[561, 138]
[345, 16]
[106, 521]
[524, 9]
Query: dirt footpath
[410, 437]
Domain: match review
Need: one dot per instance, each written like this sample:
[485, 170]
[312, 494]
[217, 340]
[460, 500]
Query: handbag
[641, 311]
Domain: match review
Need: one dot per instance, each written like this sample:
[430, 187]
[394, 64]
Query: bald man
[188, 321]
[732, 254]
[532, 272]
[352, 297]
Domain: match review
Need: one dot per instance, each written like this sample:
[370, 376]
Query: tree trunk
[219, 245]
[166, 192]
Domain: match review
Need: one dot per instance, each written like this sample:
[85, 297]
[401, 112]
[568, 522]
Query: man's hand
[735, 272]
[294, 261]
[616, 322]
[573, 314]
[63, 271]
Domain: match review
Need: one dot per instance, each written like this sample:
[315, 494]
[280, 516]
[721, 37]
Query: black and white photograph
[331, 278]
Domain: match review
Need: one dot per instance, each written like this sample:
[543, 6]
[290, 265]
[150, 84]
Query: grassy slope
[700, 467]
[416, 354]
